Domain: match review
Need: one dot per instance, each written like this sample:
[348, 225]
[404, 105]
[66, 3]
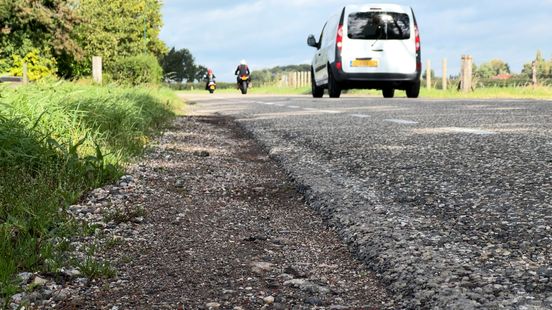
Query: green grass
[58, 141]
[265, 90]
[480, 93]
[492, 93]
[93, 268]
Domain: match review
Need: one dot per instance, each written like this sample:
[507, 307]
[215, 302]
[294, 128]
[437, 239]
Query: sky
[269, 33]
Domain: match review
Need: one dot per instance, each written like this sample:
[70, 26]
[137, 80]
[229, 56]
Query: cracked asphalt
[449, 202]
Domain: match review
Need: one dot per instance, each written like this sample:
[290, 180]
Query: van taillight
[339, 39]
[417, 38]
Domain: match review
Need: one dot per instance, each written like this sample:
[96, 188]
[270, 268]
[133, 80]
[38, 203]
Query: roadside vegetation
[529, 92]
[59, 140]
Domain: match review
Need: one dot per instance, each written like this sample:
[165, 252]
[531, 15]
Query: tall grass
[56, 142]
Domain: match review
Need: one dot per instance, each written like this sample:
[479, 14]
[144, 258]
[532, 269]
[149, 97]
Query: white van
[374, 46]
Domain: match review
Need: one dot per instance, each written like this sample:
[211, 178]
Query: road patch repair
[208, 221]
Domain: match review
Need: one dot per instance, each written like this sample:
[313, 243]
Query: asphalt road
[450, 202]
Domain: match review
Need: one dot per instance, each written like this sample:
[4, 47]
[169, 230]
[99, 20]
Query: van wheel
[388, 92]
[334, 90]
[413, 90]
[317, 92]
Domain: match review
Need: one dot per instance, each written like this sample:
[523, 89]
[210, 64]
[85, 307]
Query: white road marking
[322, 111]
[444, 130]
[471, 130]
[401, 121]
[267, 103]
[360, 115]
[293, 107]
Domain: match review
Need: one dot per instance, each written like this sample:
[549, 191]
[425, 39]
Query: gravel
[206, 221]
[451, 207]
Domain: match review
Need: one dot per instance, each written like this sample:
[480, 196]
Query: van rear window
[378, 26]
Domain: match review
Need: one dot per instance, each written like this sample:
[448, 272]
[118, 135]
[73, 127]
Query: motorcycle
[244, 83]
[211, 86]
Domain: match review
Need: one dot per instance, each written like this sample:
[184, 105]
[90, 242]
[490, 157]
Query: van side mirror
[311, 41]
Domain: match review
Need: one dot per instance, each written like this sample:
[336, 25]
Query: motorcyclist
[210, 76]
[241, 70]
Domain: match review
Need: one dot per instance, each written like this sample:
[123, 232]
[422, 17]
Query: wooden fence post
[445, 70]
[534, 74]
[466, 74]
[469, 68]
[290, 80]
[428, 74]
[25, 73]
[97, 69]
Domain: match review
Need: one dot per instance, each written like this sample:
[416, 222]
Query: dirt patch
[224, 228]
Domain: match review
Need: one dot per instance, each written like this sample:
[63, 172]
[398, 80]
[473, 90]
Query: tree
[432, 74]
[271, 75]
[43, 28]
[201, 71]
[118, 29]
[179, 65]
[544, 68]
[492, 68]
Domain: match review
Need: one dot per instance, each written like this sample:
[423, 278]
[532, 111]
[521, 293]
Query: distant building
[503, 76]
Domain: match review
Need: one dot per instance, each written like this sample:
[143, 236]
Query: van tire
[413, 90]
[388, 92]
[334, 90]
[317, 92]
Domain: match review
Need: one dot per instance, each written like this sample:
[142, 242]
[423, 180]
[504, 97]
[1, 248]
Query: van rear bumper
[374, 80]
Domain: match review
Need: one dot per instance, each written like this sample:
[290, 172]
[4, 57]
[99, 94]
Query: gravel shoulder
[209, 221]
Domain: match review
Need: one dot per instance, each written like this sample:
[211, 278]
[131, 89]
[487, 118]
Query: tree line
[59, 37]
[496, 67]
[273, 75]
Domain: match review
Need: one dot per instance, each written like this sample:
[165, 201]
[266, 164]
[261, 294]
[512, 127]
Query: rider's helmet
[243, 62]
[209, 71]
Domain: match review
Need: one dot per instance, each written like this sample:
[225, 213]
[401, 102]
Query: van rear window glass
[378, 26]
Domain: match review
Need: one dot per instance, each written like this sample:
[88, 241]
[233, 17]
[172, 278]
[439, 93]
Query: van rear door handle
[378, 50]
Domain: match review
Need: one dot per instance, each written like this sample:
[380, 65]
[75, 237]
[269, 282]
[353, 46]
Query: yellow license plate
[364, 63]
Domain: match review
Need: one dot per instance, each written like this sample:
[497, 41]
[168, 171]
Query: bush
[137, 70]
[39, 66]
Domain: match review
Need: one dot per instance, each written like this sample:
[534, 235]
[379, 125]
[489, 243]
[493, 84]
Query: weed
[93, 268]
[125, 214]
[113, 242]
